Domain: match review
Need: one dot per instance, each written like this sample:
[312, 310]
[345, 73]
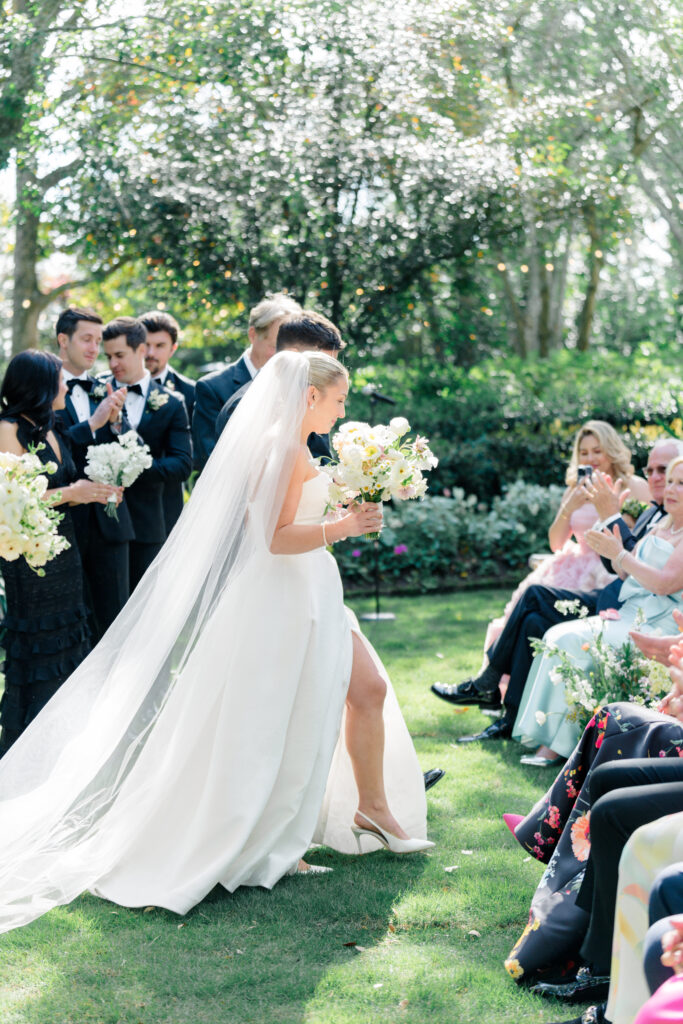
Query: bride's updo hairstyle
[323, 370]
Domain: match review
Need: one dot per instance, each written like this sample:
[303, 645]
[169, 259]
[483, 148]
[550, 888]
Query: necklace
[679, 529]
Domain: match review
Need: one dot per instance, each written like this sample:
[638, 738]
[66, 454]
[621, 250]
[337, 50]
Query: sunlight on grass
[396, 939]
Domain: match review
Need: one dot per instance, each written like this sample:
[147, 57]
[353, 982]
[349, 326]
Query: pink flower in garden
[610, 613]
[355, 553]
[400, 549]
[446, 492]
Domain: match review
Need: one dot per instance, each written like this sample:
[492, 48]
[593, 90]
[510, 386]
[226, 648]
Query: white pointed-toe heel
[388, 841]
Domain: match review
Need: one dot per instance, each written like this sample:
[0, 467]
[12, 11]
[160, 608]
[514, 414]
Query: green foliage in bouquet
[616, 674]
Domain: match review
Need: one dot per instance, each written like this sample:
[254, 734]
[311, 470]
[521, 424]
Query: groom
[160, 419]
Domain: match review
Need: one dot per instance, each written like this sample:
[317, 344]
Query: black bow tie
[86, 384]
[660, 509]
[133, 389]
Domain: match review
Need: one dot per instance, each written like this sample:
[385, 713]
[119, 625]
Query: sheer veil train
[65, 786]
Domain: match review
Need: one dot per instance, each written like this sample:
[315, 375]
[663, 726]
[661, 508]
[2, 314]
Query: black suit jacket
[182, 386]
[166, 431]
[630, 537]
[211, 394]
[92, 516]
[318, 444]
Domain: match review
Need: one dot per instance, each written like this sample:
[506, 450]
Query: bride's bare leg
[365, 739]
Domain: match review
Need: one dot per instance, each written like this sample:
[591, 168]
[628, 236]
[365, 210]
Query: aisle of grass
[429, 943]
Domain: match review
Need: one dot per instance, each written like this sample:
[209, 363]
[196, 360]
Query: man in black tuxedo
[86, 418]
[214, 390]
[535, 613]
[160, 419]
[307, 331]
[162, 343]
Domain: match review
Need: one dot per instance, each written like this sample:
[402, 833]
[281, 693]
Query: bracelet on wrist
[619, 558]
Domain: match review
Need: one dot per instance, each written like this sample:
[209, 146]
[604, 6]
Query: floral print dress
[557, 832]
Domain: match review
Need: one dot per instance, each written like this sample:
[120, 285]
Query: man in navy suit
[162, 342]
[214, 390]
[160, 419]
[87, 419]
[305, 332]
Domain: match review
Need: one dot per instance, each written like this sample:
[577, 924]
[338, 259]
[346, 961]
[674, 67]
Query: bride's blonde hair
[323, 370]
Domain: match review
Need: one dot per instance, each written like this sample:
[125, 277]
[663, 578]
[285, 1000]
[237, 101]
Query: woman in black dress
[45, 629]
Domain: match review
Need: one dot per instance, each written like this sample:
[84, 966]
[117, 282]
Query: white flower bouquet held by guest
[119, 464]
[28, 522]
[379, 463]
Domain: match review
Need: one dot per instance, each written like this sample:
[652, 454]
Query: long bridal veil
[63, 783]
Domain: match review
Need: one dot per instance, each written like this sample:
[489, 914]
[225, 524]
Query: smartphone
[584, 473]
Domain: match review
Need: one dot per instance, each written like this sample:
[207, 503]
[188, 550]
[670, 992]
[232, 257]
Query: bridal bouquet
[379, 463]
[119, 463]
[28, 522]
[617, 673]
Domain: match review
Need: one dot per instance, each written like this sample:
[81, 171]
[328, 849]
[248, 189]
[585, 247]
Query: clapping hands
[607, 497]
[110, 408]
[606, 543]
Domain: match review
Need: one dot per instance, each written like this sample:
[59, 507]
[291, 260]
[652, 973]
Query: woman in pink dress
[572, 565]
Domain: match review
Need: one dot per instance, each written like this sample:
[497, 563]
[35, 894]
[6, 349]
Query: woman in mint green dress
[653, 580]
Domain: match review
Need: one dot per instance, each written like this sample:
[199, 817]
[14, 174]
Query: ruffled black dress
[45, 632]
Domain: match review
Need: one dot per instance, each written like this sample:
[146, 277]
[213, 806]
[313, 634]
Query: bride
[199, 743]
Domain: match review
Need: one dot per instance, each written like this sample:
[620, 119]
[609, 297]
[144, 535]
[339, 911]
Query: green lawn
[428, 944]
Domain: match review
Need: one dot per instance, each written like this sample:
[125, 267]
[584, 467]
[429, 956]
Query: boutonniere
[169, 385]
[156, 399]
[99, 392]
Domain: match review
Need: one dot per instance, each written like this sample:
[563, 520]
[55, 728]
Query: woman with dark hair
[46, 632]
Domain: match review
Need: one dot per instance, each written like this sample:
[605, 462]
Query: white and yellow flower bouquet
[28, 522]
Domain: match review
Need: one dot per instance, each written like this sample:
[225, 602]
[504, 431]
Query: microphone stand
[377, 615]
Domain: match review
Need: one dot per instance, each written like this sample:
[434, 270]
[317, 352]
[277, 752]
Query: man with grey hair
[214, 390]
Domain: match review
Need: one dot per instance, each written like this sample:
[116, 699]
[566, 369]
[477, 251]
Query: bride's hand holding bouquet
[379, 463]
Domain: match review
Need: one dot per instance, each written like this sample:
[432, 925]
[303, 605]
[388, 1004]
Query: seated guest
[87, 419]
[305, 332]
[536, 612]
[653, 578]
[573, 565]
[213, 390]
[160, 418]
[161, 344]
[45, 628]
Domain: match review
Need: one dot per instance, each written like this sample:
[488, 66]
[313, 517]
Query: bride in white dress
[201, 742]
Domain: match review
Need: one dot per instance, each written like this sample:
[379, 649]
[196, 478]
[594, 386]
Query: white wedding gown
[245, 764]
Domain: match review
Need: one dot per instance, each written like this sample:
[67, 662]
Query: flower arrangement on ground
[119, 464]
[379, 463]
[28, 522]
[617, 673]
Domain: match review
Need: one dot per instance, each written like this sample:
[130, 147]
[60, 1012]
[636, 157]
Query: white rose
[400, 425]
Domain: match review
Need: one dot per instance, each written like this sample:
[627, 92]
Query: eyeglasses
[649, 470]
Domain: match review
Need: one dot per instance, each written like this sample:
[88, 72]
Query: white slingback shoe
[388, 841]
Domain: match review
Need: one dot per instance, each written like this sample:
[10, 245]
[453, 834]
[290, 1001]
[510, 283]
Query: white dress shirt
[135, 403]
[79, 397]
[250, 366]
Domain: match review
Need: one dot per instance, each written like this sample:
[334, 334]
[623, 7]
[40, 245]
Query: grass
[382, 939]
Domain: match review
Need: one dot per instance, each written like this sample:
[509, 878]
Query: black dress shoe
[585, 986]
[467, 693]
[499, 730]
[593, 1015]
[432, 777]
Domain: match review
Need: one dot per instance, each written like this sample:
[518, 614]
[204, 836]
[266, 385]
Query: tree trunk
[594, 267]
[27, 301]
